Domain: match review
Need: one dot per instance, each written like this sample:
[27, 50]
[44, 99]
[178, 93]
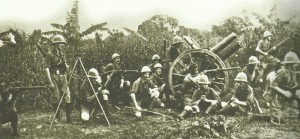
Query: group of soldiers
[151, 90]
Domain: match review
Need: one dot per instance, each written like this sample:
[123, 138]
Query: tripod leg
[57, 109]
[94, 92]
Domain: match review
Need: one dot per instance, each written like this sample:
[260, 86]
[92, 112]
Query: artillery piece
[210, 62]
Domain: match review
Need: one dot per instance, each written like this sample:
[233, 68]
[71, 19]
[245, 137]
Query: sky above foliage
[200, 14]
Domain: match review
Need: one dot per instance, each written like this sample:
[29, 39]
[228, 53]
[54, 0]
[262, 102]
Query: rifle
[41, 50]
[225, 69]
[25, 88]
[124, 71]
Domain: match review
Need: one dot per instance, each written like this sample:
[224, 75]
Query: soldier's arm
[132, 94]
[47, 69]
[274, 85]
[258, 48]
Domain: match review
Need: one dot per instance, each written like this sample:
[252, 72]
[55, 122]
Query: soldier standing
[56, 70]
[117, 86]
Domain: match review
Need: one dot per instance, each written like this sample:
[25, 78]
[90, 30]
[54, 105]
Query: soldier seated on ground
[243, 100]
[188, 85]
[144, 92]
[204, 99]
[8, 111]
[158, 80]
[117, 85]
[88, 97]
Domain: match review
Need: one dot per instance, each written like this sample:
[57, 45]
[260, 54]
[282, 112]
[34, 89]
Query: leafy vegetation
[22, 64]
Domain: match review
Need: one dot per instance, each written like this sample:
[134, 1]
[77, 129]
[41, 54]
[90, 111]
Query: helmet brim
[239, 80]
[177, 42]
[95, 77]
[254, 63]
[204, 83]
[290, 62]
[58, 42]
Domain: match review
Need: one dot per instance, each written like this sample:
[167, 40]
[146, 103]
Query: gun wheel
[205, 60]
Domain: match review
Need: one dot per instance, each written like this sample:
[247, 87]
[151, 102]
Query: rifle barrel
[30, 87]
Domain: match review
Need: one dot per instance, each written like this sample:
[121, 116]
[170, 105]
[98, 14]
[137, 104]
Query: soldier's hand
[51, 85]
[287, 94]
[138, 108]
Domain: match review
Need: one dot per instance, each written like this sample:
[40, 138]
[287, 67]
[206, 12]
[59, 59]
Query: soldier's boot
[156, 101]
[225, 109]
[57, 116]
[183, 114]
[209, 110]
[69, 108]
[257, 117]
[14, 125]
[106, 107]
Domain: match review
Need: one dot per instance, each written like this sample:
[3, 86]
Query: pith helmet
[241, 77]
[253, 60]
[203, 79]
[145, 69]
[177, 40]
[267, 33]
[115, 55]
[155, 57]
[157, 65]
[93, 73]
[58, 39]
[290, 58]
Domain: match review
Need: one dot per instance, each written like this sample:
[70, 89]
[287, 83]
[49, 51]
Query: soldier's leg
[55, 97]
[105, 102]
[187, 109]
[14, 122]
[85, 113]
[65, 90]
[211, 107]
[298, 101]
[155, 100]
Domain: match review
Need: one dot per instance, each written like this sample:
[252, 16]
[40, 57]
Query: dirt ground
[125, 125]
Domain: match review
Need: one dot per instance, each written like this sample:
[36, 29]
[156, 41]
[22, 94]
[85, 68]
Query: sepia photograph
[175, 69]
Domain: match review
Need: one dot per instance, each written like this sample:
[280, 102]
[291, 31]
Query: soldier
[254, 76]
[263, 48]
[243, 99]
[204, 99]
[144, 92]
[173, 50]
[264, 44]
[188, 86]
[253, 72]
[155, 59]
[56, 70]
[88, 97]
[157, 79]
[117, 86]
[8, 111]
[285, 83]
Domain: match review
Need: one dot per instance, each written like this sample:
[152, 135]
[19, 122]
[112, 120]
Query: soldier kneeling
[88, 97]
[8, 111]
